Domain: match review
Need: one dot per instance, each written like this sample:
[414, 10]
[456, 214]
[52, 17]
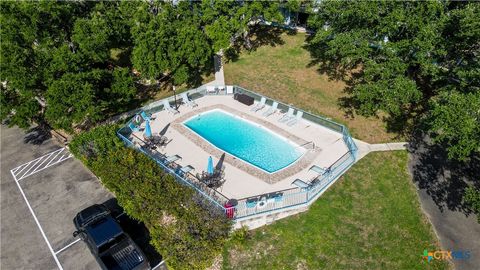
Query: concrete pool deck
[243, 179]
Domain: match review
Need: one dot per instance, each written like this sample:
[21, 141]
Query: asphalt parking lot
[56, 187]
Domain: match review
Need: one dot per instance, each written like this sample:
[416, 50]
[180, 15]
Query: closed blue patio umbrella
[148, 130]
[210, 165]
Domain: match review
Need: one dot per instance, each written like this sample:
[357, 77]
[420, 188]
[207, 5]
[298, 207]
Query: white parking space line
[37, 222]
[158, 265]
[23, 166]
[35, 166]
[41, 163]
[29, 168]
[67, 246]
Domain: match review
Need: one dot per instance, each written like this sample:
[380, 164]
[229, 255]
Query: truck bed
[124, 255]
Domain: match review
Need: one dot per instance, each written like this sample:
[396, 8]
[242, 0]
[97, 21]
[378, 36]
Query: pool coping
[271, 178]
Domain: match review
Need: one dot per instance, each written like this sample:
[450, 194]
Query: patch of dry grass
[282, 72]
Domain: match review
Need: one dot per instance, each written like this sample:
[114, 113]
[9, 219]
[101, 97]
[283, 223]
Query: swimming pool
[245, 140]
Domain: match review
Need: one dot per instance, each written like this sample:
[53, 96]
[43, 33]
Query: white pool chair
[187, 101]
[299, 183]
[229, 89]
[318, 169]
[287, 116]
[186, 169]
[260, 105]
[271, 110]
[173, 158]
[169, 108]
[296, 119]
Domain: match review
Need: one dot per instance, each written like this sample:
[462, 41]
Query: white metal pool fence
[262, 203]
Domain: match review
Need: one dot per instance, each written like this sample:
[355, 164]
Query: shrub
[184, 227]
[472, 198]
[240, 236]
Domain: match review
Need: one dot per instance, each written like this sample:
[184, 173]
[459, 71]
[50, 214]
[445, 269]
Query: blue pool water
[245, 140]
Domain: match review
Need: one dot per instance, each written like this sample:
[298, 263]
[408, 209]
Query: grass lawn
[281, 72]
[369, 219]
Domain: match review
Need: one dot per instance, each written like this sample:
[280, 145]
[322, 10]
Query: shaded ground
[154, 90]
[370, 219]
[282, 69]
[441, 184]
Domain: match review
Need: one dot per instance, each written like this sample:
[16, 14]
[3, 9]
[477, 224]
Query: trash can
[230, 208]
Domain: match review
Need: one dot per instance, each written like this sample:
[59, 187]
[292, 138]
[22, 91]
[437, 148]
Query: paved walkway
[219, 76]
[365, 148]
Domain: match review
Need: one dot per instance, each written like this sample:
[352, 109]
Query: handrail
[257, 196]
[185, 179]
[341, 127]
[291, 197]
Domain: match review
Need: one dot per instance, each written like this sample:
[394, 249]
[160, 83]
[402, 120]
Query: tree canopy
[416, 61]
[50, 51]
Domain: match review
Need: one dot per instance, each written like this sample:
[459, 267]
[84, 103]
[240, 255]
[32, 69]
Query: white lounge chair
[271, 110]
[318, 169]
[260, 105]
[296, 119]
[229, 89]
[186, 169]
[299, 183]
[169, 108]
[187, 101]
[288, 116]
[171, 159]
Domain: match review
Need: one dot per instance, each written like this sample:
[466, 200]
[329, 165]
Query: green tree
[228, 22]
[472, 198]
[72, 100]
[416, 61]
[122, 90]
[54, 54]
[30, 32]
[93, 37]
[455, 121]
[169, 42]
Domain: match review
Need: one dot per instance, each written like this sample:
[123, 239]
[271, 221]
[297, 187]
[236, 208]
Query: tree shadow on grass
[332, 67]
[328, 64]
[148, 91]
[443, 180]
[259, 36]
[351, 75]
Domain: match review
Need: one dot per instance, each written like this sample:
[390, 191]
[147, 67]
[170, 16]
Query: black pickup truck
[109, 244]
